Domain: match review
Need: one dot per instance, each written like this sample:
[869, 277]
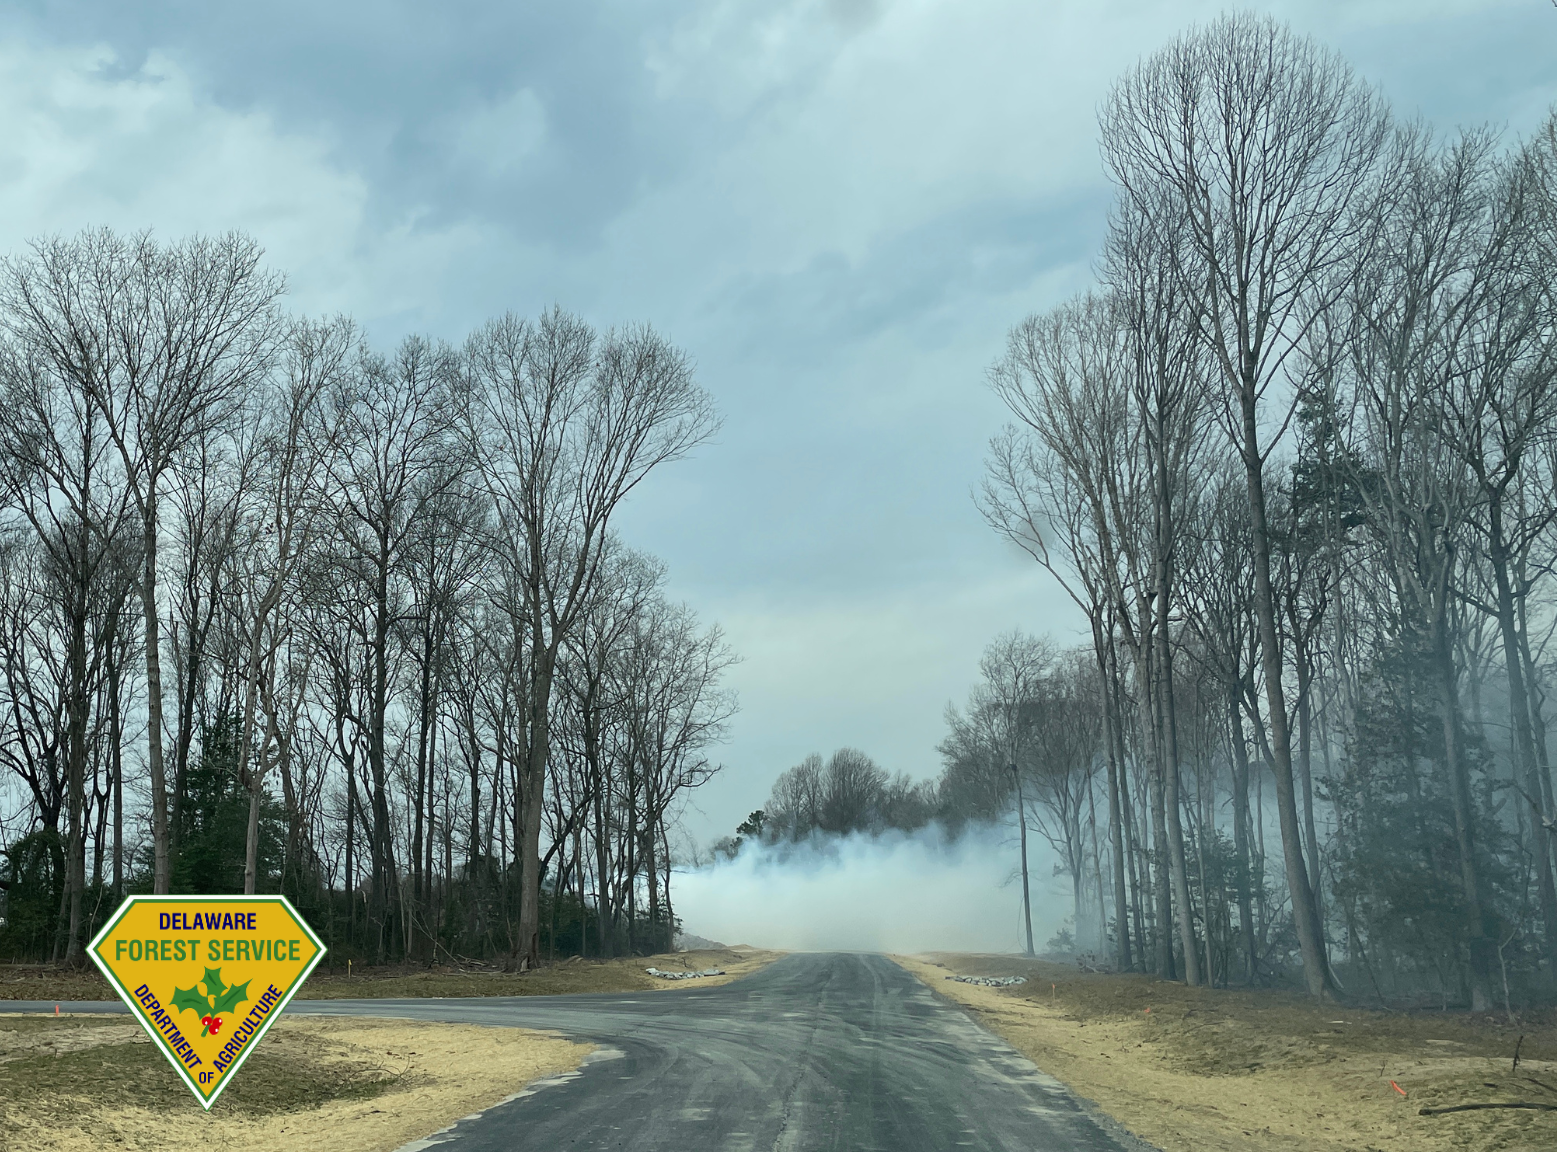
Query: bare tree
[1437, 364]
[1166, 372]
[1086, 482]
[388, 424]
[288, 452]
[1269, 145]
[565, 425]
[1499, 417]
[1014, 669]
[160, 341]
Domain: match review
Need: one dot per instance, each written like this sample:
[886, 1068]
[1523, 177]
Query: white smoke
[891, 893]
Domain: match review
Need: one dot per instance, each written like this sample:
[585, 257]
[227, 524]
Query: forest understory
[1201, 1070]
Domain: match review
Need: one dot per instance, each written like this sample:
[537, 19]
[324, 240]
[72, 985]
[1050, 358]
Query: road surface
[816, 1051]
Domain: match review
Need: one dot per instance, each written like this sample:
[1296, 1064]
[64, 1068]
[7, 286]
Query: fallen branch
[1478, 1107]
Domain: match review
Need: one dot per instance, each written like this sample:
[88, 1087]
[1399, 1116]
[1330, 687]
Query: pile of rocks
[990, 981]
[684, 975]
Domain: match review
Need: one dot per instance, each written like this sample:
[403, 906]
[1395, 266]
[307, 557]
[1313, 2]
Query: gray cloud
[837, 207]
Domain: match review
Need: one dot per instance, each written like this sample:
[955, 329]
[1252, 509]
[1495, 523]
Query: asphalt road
[815, 1051]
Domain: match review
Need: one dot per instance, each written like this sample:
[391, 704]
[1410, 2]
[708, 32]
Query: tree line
[284, 611]
[1294, 459]
[847, 794]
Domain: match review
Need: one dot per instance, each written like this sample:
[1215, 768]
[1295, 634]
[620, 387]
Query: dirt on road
[1201, 1070]
[78, 1083]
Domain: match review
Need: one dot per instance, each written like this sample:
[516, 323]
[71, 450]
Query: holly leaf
[229, 1000]
[189, 998]
[213, 982]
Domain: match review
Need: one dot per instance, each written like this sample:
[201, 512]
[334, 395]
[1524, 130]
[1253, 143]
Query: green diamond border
[138, 1011]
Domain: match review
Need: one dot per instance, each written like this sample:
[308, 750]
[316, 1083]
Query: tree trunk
[630, 843]
[251, 850]
[384, 880]
[1459, 790]
[1305, 912]
[533, 785]
[1097, 873]
[604, 920]
[1241, 837]
[1166, 968]
[1524, 729]
[1127, 809]
[116, 754]
[248, 776]
[351, 843]
[1305, 768]
[162, 863]
[75, 752]
[423, 905]
[1538, 726]
[1122, 958]
[188, 682]
[475, 852]
[670, 914]
[419, 816]
[1151, 746]
[1168, 717]
[652, 871]
[1021, 823]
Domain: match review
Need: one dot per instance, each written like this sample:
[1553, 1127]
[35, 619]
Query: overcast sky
[837, 207]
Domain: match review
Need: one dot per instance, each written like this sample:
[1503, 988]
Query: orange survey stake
[206, 976]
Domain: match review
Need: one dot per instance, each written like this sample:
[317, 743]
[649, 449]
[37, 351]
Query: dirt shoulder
[1196, 1070]
[565, 977]
[20, 982]
[76, 1083]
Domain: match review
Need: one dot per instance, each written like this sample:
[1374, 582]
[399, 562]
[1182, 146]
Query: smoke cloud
[896, 892]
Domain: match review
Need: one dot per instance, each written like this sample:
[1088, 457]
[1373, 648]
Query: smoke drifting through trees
[889, 891]
[279, 611]
[1294, 459]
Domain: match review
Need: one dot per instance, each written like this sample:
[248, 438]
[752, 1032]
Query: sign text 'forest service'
[206, 975]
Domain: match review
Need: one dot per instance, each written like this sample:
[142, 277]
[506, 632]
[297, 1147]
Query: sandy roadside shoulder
[567, 977]
[423, 1077]
[1344, 1102]
[733, 963]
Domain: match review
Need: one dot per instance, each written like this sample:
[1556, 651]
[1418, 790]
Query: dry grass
[566, 977]
[37, 982]
[45, 982]
[74, 1083]
[1196, 1070]
[336, 1085]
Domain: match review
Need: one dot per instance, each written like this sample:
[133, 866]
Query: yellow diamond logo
[206, 976]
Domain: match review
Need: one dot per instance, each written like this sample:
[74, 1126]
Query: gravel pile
[684, 975]
[990, 981]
